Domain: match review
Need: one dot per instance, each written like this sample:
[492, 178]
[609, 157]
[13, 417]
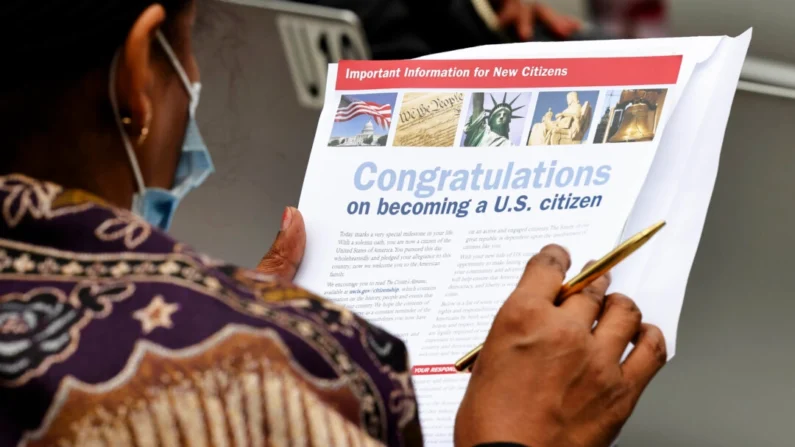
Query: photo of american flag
[351, 108]
[363, 121]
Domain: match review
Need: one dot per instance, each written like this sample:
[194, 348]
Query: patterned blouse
[114, 334]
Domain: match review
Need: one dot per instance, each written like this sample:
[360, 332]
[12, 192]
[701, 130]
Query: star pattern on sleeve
[156, 315]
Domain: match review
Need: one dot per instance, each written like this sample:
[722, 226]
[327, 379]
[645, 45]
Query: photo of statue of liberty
[496, 124]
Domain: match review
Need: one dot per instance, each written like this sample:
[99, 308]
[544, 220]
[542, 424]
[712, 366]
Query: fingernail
[287, 218]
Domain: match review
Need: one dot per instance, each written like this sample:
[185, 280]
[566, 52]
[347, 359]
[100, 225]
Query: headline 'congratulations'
[427, 182]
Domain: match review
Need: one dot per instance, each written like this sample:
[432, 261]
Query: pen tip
[654, 228]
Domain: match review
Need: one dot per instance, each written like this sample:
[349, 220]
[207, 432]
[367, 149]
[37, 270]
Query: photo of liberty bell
[638, 117]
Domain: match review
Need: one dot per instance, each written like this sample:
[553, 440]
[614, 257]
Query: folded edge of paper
[668, 260]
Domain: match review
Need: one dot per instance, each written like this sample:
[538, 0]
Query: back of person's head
[57, 119]
[61, 39]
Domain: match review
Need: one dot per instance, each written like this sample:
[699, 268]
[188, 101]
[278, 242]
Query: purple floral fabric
[114, 334]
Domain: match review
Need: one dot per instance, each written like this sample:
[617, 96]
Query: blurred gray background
[732, 382]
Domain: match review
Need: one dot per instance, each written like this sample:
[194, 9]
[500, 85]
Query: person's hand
[546, 377]
[521, 16]
[287, 251]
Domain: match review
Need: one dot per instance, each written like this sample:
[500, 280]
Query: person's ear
[136, 74]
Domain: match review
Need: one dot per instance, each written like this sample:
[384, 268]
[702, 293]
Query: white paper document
[431, 183]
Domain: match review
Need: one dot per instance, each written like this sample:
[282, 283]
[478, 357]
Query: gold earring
[145, 129]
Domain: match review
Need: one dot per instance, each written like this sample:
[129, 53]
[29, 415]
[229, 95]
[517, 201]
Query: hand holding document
[545, 378]
[432, 182]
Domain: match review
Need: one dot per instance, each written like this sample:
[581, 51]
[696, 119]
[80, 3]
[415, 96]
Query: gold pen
[582, 280]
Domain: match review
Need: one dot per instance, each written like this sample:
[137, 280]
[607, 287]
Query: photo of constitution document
[630, 116]
[495, 119]
[428, 119]
[562, 117]
[363, 120]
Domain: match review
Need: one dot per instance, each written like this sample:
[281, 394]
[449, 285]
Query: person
[631, 19]
[114, 334]
[406, 29]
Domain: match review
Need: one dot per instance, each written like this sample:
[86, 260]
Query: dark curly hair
[50, 45]
[57, 39]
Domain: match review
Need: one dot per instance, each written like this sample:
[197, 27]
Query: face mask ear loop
[125, 139]
[175, 62]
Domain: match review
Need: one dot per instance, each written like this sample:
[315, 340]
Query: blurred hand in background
[631, 18]
[522, 16]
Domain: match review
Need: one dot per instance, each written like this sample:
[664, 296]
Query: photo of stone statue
[495, 123]
[562, 118]
[630, 116]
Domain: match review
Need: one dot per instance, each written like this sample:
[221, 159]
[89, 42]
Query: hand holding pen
[588, 275]
[545, 375]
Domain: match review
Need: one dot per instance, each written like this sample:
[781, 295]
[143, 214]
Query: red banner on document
[427, 370]
[508, 73]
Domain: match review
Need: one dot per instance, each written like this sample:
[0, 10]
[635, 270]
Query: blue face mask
[157, 205]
